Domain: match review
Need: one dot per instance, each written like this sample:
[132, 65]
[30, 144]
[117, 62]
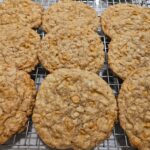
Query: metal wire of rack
[28, 139]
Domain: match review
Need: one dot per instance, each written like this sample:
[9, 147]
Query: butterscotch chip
[17, 96]
[134, 108]
[122, 18]
[75, 99]
[72, 48]
[24, 12]
[18, 47]
[129, 52]
[70, 13]
[63, 124]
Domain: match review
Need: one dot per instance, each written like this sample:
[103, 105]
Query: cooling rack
[28, 139]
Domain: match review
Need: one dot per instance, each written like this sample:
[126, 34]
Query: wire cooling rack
[28, 139]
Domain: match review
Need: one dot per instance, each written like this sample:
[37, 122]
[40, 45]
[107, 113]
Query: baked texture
[24, 12]
[72, 48]
[18, 47]
[74, 109]
[70, 13]
[134, 108]
[129, 52]
[123, 18]
[17, 97]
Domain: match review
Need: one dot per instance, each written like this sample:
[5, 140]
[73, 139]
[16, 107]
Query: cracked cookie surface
[18, 47]
[23, 12]
[17, 96]
[72, 48]
[65, 14]
[122, 18]
[74, 109]
[134, 108]
[128, 52]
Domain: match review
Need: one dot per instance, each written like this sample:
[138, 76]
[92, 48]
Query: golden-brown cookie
[24, 12]
[18, 47]
[17, 96]
[134, 108]
[72, 48]
[122, 18]
[70, 13]
[74, 109]
[128, 52]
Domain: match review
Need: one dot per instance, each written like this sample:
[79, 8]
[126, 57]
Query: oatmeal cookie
[126, 53]
[134, 108]
[18, 46]
[17, 96]
[24, 12]
[74, 109]
[72, 48]
[65, 14]
[122, 18]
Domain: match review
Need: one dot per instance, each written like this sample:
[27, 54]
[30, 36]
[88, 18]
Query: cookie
[18, 47]
[70, 13]
[17, 97]
[127, 53]
[72, 48]
[24, 12]
[122, 18]
[134, 108]
[74, 109]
